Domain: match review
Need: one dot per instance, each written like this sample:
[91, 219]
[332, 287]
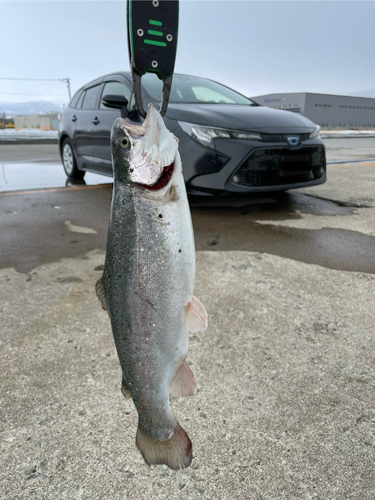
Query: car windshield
[193, 90]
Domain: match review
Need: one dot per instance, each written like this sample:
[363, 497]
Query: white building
[328, 111]
[46, 122]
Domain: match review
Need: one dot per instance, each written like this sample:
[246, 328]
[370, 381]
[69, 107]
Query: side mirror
[117, 102]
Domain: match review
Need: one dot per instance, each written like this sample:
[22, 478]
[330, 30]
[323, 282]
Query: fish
[148, 281]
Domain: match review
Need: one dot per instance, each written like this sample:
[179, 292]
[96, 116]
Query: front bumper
[260, 167]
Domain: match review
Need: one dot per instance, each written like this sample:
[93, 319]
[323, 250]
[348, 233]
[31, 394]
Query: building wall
[36, 121]
[331, 111]
[328, 111]
[288, 102]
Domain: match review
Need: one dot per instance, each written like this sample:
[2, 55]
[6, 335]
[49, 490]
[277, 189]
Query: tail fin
[176, 452]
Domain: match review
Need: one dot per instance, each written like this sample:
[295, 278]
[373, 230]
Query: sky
[255, 47]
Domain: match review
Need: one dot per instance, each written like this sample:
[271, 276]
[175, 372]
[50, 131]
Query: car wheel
[69, 161]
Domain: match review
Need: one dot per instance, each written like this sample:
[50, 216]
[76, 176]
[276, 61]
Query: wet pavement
[344, 149]
[330, 225]
[334, 241]
[285, 371]
[46, 225]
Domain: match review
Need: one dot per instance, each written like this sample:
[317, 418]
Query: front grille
[274, 167]
[282, 137]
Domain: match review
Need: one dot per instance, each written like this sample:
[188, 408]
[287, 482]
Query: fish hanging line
[152, 44]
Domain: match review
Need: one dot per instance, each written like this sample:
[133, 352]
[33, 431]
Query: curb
[351, 136]
[346, 162]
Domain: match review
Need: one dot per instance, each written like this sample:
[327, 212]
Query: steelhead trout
[147, 283]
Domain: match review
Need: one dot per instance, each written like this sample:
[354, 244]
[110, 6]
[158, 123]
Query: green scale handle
[152, 42]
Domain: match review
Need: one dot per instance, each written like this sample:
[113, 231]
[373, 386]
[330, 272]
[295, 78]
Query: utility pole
[67, 81]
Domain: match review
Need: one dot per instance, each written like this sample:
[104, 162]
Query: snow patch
[27, 133]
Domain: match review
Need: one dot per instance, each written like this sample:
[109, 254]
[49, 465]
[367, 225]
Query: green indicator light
[155, 23]
[156, 33]
[151, 42]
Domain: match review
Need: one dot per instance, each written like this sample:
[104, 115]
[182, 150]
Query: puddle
[281, 206]
[338, 249]
[227, 228]
[19, 176]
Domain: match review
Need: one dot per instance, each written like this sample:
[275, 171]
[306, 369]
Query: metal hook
[137, 86]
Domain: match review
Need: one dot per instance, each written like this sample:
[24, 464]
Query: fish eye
[124, 142]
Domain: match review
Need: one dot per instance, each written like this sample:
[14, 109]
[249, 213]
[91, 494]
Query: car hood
[240, 117]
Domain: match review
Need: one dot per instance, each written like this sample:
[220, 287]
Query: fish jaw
[146, 167]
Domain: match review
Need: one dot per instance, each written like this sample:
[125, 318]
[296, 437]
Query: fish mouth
[153, 151]
[163, 179]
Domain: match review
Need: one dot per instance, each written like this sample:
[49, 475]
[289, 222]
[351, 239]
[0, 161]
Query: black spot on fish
[179, 250]
[131, 169]
[160, 216]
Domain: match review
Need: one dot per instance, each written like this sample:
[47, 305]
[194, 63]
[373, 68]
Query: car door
[84, 126]
[106, 117]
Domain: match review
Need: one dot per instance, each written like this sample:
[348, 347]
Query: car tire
[69, 161]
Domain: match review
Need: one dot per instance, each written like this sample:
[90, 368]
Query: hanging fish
[147, 283]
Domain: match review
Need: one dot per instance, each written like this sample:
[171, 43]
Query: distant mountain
[365, 93]
[30, 108]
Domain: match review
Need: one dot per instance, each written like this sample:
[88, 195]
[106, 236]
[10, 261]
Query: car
[228, 143]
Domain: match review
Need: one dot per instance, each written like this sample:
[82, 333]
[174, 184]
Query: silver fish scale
[148, 280]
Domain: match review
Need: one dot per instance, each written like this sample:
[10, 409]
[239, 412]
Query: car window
[91, 98]
[194, 90]
[204, 94]
[115, 88]
[79, 103]
[74, 101]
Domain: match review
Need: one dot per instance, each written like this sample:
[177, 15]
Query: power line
[65, 80]
[13, 93]
[37, 79]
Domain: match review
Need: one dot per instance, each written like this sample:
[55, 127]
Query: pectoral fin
[183, 383]
[100, 293]
[125, 389]
[196, 316]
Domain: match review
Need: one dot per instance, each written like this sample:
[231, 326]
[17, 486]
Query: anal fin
[100, 293]
[196, 316]
[183, 383]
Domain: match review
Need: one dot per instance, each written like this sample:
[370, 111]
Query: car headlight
[315, 133]
[205, 135]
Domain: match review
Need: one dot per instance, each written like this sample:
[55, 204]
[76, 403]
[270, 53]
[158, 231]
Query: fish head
[143, 155]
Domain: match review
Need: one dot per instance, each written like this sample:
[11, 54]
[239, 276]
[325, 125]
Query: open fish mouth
[153, 151]
[163, 179]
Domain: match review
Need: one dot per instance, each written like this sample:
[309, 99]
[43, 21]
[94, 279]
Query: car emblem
[293, 140]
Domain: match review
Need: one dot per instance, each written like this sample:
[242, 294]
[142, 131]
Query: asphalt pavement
[348, 149]
[285, 407]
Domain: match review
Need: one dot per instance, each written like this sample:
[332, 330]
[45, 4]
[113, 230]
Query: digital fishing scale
[152, 43]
